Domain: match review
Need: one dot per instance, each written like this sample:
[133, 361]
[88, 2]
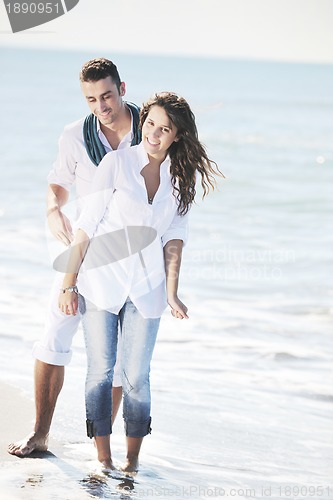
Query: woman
[129, 242]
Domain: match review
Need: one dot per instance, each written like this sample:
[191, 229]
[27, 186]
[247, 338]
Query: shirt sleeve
[102, 189]
[178, 229]
[63, 171]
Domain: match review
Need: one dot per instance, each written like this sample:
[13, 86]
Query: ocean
[242, 391]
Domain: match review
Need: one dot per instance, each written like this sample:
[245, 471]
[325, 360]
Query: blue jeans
[138, 337]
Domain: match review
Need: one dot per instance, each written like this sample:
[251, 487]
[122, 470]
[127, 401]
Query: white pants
[54, 347]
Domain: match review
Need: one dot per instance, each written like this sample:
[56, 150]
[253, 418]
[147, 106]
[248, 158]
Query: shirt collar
[127, 138]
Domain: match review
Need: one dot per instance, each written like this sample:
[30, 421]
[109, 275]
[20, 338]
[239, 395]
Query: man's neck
[116, 131]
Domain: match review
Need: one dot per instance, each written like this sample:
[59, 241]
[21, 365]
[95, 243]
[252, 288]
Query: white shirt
[73, 165]
[125, 257]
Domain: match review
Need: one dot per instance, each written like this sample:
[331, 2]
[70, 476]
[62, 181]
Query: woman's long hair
[187, 155]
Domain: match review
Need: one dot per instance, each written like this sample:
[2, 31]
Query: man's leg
[117, 390]
[117, 394]
[48, 383]
[52, 353]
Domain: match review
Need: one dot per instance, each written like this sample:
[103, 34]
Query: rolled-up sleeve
[178, 229]
[63, 171]
[102, 190]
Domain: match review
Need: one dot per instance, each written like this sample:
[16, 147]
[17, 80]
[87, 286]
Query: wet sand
[16, 418]
[67, 471]
[22, 477]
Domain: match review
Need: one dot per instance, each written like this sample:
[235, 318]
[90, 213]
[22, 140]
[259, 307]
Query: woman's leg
[100, 332]
[138, 337]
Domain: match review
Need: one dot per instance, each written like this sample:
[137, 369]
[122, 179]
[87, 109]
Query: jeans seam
[129, 384]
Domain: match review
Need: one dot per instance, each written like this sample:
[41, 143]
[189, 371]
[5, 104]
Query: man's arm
[59, 224]
[172, 260]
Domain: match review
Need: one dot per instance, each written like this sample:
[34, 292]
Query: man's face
[104, 99]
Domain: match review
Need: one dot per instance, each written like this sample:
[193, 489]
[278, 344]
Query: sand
[16, 418]
[68, 471]
[24, 477]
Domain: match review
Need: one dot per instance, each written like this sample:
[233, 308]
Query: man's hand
[178, 309]
[60, 226]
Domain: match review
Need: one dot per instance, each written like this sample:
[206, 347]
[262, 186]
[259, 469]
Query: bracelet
[72, 288]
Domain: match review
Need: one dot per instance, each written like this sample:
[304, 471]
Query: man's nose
[102, 105]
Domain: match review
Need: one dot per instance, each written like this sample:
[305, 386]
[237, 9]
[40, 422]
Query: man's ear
[122, 89]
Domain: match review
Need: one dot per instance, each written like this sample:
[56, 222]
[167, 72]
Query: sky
[281, 30]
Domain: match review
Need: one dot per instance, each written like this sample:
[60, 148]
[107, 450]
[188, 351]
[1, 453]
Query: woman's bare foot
[131, 466]
[102, 444]
[107, 465]
[32, 442]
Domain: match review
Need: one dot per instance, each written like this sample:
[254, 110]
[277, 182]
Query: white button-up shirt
[73, 165]
[125, 255]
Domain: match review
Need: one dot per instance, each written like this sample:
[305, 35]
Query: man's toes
[12, 448]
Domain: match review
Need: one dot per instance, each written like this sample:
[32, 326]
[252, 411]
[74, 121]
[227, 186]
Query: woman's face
[158, 133]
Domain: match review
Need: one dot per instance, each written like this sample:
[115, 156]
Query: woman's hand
[68, 302]
[178, 309]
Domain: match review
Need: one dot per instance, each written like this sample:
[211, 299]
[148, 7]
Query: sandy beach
[17, 475]
[49, 475]
[13, 402]
[242, 392]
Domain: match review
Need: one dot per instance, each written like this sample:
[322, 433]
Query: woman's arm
[172, 260]
[68, 299]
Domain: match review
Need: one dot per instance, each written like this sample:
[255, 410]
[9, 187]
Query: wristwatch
[70, 289]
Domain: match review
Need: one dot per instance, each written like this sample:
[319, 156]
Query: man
[112, 125]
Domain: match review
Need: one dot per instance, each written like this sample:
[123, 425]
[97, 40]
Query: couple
[122, 267]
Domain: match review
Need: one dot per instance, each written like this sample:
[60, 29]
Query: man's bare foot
[131, 466]
[33, 442]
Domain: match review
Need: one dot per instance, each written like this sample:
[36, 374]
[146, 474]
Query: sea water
[242, 391]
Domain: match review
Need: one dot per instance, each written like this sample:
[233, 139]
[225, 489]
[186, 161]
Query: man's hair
[100, 68]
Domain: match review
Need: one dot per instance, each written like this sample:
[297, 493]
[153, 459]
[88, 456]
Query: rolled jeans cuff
[102, 427]
[137, 429]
